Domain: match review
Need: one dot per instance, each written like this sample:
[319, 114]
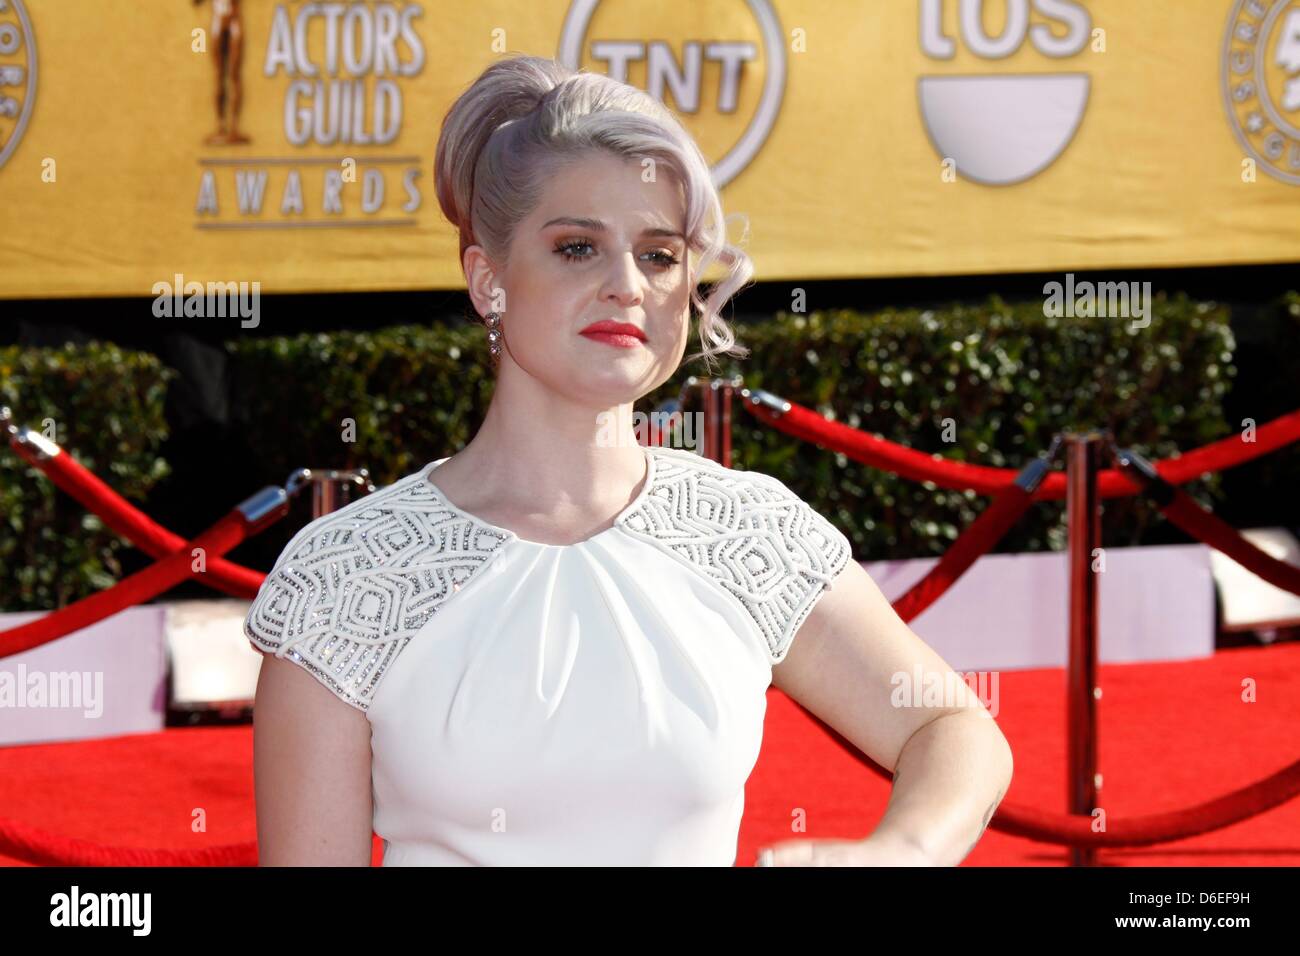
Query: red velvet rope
[1073, 830]
[808, 425]
[977, 540]
[1076, 830]
[120, 515]
[142, 586]
[1185, 512]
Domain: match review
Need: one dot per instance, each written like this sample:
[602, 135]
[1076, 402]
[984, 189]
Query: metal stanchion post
[330, 489]
[722, 391]
[715, 407]
[1084, 524]
[709, 415]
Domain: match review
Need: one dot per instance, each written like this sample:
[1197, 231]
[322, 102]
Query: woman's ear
[480, 279]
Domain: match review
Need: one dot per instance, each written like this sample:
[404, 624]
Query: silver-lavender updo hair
[527, 116]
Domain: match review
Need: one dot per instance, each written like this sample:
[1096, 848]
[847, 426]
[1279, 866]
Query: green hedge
[389, 400]
[106, 405]
[1006, 376]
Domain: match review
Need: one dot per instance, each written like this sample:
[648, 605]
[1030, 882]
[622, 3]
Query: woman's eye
[666, 258]
[567, 249]
[570, 251]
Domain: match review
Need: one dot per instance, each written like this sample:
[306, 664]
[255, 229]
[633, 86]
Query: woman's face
[602, 245]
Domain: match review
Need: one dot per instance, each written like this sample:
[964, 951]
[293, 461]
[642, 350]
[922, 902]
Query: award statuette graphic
[227, 36]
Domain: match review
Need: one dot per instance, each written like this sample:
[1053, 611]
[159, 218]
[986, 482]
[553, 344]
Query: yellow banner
[156, 143]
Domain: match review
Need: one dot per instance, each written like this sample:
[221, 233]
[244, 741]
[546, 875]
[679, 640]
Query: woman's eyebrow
[595, 225]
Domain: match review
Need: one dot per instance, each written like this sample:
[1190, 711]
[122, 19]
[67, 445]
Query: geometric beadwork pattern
[354, 586]
[749, 533]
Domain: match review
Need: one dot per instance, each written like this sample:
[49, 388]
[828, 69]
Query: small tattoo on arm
[988, 815]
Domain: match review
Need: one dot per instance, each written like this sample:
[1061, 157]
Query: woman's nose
[624, 282]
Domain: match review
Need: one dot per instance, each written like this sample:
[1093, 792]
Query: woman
[554, 646]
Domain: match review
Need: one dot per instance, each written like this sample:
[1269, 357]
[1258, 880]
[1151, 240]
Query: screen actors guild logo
[346, 65]
[227, 39]
[17, 75]
[1261, 83]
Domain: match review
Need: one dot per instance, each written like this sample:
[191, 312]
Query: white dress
[599, 703]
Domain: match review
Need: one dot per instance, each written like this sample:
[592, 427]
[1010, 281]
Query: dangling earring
[493, 321]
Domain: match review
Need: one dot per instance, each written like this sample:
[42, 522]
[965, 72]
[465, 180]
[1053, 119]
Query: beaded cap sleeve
[747, 531]
[354, 586]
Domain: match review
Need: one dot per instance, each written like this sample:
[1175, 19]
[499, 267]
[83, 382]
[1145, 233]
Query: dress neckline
[646, 483]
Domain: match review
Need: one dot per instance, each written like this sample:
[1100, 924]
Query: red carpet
[1171, 735]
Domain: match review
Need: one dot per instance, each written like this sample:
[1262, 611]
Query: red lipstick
[621, 335]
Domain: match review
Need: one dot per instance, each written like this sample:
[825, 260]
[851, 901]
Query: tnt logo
[1002, 128]
[1261, 83]
[739, 80]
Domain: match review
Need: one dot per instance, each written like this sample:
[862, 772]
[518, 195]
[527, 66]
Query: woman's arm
[949, 768]
[853, 663]
[311, 769]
